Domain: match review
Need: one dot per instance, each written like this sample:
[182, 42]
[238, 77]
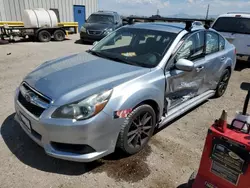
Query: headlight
[85, 108]
[107, 31]
[83, 29]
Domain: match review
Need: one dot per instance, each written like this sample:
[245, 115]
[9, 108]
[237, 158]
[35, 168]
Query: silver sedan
[141, 76]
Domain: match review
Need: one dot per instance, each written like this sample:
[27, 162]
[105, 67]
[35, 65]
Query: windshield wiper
[99, 54]
[123, 61]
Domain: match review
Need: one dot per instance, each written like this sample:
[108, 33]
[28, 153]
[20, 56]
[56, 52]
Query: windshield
[98, 18]
[233, 25]
[140, 47]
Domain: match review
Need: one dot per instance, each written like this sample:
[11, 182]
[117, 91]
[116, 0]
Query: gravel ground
[172, 154]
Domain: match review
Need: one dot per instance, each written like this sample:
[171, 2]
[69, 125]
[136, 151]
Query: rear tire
[223, 83]
[137, 129]
[44, 36]
[59, 35]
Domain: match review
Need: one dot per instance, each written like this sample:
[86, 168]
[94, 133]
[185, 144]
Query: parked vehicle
[235, 27]
[141, 76]
[197, 23]
[99, 25]
[39, 24]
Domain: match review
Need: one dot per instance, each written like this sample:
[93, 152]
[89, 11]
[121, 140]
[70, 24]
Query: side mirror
[95, 43]
[185, 65]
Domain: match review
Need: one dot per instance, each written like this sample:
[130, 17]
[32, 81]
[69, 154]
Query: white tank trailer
[39, 24]
[39, 18]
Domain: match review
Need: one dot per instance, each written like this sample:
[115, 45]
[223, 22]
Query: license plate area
[25, 121]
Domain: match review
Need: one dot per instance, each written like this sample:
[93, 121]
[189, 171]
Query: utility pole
[207, 11]
[158, 12]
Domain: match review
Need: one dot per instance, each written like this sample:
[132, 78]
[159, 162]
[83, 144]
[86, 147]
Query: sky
[172, 7]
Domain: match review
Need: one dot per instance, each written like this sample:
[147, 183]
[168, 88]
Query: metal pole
[246, 104]
[208, 6]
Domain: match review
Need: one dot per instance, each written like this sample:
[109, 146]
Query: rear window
[232, 25]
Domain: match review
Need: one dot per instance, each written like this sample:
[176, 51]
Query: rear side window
[212, 42]
[233, 25]
[221, 43]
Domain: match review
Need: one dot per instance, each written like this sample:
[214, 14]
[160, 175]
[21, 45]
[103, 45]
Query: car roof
[164, 26]
[234, 14]
[105, 13]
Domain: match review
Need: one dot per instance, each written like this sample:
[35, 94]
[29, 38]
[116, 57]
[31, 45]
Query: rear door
[236, 30]
[182, 85]
[216, 57]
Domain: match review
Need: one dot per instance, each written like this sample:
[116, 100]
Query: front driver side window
[192, 48]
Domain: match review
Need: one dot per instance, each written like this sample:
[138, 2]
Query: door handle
[223, 58]
[198, 69]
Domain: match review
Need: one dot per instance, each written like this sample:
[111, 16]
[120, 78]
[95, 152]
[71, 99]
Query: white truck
[235, 27]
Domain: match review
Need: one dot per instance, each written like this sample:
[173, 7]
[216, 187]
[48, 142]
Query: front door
[79, 15]
[184, 85]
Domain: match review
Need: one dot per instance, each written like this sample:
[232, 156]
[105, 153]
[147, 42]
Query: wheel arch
[153, 104]
[150, 95]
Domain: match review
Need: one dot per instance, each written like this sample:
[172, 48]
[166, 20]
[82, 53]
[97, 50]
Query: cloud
[190, 1]
[157, 3]
[170, 7]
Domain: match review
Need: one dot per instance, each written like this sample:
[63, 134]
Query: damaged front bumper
[83, 141]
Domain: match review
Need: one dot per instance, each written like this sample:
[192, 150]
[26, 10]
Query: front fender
[142, 94]
[129, 96]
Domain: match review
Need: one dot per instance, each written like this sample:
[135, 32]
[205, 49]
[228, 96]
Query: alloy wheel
[140, 130]
[224, 83]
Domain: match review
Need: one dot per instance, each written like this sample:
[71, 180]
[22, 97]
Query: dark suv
[100, 24]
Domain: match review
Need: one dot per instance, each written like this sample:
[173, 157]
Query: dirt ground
[172, 155]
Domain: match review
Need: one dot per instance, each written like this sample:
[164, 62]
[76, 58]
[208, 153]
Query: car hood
[98, 26]
[76, 76]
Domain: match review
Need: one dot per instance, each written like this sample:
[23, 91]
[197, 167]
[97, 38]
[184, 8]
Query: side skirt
[181, 109]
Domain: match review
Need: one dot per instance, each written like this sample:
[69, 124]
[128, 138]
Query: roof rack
[106, 11]
[188, 21]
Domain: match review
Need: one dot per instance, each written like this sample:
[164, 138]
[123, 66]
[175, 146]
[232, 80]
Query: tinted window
[139, 46]
[233, 25]
[212, 42]
[117, 18]
[98, 18]
[221, 43]
[192, 48]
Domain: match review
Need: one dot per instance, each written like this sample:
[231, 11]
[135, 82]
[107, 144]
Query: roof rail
[106, 11]
[238, 12]
[188, 21]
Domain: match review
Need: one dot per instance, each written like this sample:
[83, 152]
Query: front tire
[137, 129]
[223, 83]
